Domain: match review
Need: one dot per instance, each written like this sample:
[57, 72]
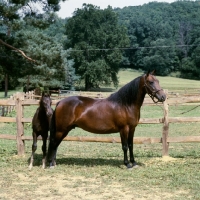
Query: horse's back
[74, 105]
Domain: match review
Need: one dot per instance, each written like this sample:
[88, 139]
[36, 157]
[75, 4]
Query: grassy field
[95, 170]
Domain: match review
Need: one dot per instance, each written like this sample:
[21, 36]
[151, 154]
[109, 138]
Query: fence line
[19, 100]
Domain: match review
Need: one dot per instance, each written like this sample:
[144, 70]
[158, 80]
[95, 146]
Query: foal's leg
[130, 146]
[44, 149]
[124, 141]
[34, 147]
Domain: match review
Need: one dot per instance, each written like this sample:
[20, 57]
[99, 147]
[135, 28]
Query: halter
[153, 93]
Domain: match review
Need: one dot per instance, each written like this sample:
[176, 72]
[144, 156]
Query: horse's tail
[52, 135]
[53, 124]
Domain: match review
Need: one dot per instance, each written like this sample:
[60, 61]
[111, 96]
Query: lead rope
[189, 110]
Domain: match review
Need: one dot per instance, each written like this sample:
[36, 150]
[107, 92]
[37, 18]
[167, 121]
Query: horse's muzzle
[49, 113]
[161, 96]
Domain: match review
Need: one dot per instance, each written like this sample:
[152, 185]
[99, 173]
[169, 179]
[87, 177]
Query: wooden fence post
[165, 150]
[20, 125]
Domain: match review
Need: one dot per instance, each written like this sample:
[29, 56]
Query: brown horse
[40, 125]
[120, 112]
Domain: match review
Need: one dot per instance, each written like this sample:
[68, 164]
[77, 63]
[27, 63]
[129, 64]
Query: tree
[163, 24]
[22, 27]
[164, 60]
[95, 38]
[52, 70]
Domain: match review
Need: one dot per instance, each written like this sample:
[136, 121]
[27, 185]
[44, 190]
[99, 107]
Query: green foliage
[168, 34]
[90, 32]
[24, 27]
[162, 36]
[164, 60]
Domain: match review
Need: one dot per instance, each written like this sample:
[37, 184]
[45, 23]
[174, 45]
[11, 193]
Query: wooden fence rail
[20, 100]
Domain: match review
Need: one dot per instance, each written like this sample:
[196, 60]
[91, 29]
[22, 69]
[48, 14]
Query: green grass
[166, 82]
[95, 170]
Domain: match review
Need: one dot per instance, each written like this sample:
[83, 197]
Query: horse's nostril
[49, 114]
[163, 98]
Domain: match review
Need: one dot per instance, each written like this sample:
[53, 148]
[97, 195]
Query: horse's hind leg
[34, 147]
[44, 149]
[52, 150]
[53, 145]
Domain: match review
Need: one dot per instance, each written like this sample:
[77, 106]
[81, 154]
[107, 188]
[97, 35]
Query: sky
[69, 6]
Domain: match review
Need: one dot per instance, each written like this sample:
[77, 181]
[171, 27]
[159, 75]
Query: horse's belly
[99, 130]
[98, 126]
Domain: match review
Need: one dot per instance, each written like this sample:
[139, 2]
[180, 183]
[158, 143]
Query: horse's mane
[126, 94]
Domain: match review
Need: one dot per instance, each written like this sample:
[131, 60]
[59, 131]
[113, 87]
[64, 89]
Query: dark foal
[120, 112]
[40, 125]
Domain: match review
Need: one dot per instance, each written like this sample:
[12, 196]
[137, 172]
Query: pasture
[95, 170]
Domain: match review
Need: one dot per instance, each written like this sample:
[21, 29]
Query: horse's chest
[40, 124]
[132, 117]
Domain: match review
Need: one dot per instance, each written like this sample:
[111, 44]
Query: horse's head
[153, 88]
[46, 103]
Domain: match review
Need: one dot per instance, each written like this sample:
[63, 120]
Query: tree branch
[18, 50]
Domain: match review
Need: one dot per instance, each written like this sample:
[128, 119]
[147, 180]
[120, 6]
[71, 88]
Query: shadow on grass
[88, 162]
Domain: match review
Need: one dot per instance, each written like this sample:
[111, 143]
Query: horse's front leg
[34, 147]
[124, 141]
[130, 146]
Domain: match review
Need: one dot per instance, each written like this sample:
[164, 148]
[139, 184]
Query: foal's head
[153, 88]
[45, 103]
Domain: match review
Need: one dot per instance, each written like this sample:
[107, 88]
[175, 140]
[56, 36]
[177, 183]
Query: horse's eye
[150, 82]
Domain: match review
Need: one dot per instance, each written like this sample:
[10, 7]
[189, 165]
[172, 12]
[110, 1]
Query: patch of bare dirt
[62, 186]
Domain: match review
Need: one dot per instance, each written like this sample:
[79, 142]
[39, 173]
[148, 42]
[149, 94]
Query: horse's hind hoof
[51, 166]
[30, 167]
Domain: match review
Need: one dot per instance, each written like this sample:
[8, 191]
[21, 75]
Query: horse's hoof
[132, 165]
[30, 167]
[51, 166]
[129, 166]
[135, 165]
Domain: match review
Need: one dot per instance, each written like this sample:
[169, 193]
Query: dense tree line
[164, 36]
[39, 49]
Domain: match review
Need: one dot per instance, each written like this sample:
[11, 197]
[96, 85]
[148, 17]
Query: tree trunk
[87, 85]
[27, 83]
[6, 85]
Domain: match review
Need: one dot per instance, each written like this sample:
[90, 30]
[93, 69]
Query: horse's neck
[140, 97]
[42, 111]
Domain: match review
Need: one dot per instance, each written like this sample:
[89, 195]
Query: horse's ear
[147, 74]
[153, 72]
[43, 93]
